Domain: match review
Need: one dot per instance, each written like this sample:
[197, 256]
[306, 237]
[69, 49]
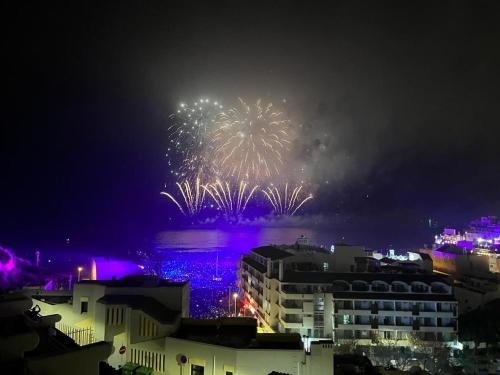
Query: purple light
[105, 268]
[7, 260]
[8, 269]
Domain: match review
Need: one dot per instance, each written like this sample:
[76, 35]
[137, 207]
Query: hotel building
[344, 295]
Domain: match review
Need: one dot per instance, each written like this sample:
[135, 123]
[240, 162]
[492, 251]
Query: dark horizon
[399, 103]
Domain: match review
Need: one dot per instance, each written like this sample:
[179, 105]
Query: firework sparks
[190, 138]
[231, 201]
[193, 197]
[250, 142]
[287, 201]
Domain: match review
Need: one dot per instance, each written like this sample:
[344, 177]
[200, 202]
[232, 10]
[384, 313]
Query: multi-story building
[345, 295]
[146, 320]
[125, 312]
[481, 233]
[472, 259]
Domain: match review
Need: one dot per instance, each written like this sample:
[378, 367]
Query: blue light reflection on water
[194, 255]
[191, 254]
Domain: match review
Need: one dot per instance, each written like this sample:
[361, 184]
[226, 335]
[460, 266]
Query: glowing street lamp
[235, 296]
[80, 269]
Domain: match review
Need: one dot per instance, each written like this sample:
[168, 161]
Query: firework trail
[250, 142]
[231, 201]
[190, 138]
[286, 201]
[193, 197]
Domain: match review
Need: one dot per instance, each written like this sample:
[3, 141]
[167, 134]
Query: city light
[235, 297]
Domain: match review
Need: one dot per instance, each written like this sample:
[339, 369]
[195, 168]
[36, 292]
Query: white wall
[244, 361]
[263, 362]
[198, 353]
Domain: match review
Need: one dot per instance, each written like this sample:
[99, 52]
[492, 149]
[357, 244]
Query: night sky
[407, 93]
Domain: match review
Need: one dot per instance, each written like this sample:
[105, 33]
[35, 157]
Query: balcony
[404, 307]
[291, 307]
[403, 323]
[293, 323]
[386, 321]
[360, 287]
[451, 309]
[380, 288]
[362, 306]
[293, 292]
[419, 289]
[399, 289]
[439, 290]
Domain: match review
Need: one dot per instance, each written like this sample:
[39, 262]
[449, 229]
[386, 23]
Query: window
[325, 266]
[197, 370]
[84, 307]
[346, 319]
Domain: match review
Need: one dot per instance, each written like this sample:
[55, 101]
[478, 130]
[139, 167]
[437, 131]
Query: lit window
[325, 266]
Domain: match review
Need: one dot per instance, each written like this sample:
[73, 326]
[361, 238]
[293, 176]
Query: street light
[80, 269]
[235, 296]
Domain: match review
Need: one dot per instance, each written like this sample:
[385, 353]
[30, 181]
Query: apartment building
[344, 295]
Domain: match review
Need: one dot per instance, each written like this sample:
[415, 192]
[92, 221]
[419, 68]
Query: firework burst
[193, 197]
[190, 135]
[250, 142]
[286, 201]
[230, 200]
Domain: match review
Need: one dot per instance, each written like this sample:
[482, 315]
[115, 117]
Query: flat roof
[240, 333]
[253, 263]
[329, 277]
[144, 281]
[394, 296]
[148, 305]
[272, 252]
[53, 300]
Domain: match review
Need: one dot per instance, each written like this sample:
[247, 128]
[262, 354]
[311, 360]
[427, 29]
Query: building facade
[146, 321]
[345, 296]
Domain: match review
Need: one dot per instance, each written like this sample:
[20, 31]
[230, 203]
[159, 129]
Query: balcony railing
[292, 319]
[292, 304]
[295, 290]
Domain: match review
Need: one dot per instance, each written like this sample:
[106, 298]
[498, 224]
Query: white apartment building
[323, 294]
[146, 320]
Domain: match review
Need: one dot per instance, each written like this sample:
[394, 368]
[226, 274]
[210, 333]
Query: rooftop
[148, 305]
[136, 281]
[271, 252]
[425, 256]
[451, 249]
[238, 333]
[329, 277]
[394, 296]
[253, 263]
[53, 300]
